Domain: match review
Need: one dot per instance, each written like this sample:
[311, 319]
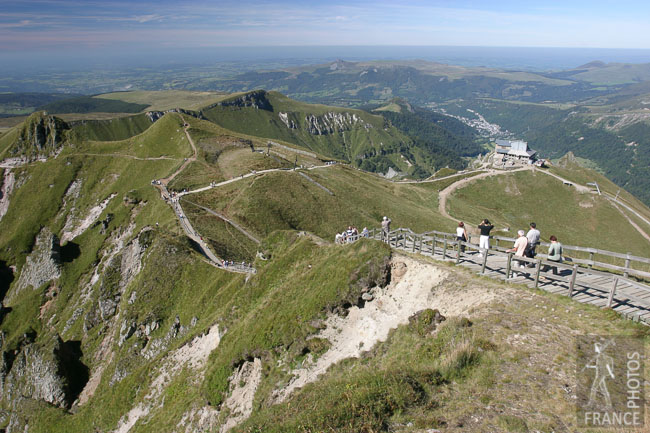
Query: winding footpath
[186, 225]
[174, 199]
[445, 193]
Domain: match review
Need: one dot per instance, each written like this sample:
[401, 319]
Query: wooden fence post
[508, 266]
[573, 280]
[611, 293]
[591, 258]
[420, 246]
[627, 265]
[444, 249]
[433, 246]
[484, 262]
[539, 268]
[458, 247]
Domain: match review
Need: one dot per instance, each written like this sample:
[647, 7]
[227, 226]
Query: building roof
[519, 146]
[503, 143]
[514, 148]
[526, 153]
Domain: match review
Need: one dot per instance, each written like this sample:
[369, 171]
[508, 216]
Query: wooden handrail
[450, 242]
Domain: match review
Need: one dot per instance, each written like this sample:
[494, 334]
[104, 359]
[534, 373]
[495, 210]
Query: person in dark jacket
[484, 240]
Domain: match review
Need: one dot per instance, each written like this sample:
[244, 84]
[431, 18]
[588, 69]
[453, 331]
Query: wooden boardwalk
[624, 295]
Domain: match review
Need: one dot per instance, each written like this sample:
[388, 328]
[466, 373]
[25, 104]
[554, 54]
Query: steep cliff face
[41, 135]
[43, 264]
[332, 122]
[52, 373]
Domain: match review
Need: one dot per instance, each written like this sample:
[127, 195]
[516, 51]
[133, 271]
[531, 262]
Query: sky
[149, 28]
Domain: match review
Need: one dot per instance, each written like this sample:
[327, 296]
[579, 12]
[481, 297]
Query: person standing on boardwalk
[385, 228]
[554, 255]
[461, 235]
[520, 246]
[484, 240]
[533, 239]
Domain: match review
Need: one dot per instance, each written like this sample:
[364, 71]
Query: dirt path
[609, 197]
[189, 160]
[612, 200]
[444, 194]
[247, 175]
[123, 155]
[438, 179]
[632, 223]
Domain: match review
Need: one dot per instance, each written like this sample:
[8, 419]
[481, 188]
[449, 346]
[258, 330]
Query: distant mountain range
[600, 111]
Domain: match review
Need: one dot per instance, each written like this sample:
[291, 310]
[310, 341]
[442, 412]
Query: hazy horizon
[527, 58]
[83, 34]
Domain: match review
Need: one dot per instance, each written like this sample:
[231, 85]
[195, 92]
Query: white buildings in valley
[508, 152]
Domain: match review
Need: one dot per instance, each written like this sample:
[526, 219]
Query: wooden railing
[449, 247]
[590, 258]
[630, 267]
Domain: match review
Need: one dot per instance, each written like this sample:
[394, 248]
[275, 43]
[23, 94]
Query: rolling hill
[366, 140]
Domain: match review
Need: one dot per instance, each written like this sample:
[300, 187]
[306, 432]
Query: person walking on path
[519, 248]
[554, 255]
[385, 228]
[484, 240]
[533, 239]
[461, 235]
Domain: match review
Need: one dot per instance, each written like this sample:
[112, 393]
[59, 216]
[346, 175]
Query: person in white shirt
[520, 246]
[461, 235]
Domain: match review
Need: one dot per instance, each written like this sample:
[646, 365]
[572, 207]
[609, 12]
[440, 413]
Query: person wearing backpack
[461, 235]
[554, 255]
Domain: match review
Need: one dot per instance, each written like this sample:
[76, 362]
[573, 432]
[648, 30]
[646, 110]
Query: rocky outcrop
[52, 373]
[8, 181]
[118, 273]
[284, 117]
[154, 115]
[41, 135]
[332, 122]
[256, 99]
[43, 264]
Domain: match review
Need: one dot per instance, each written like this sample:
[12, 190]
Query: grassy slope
[347, 145]
[112, 129]
[222, 155]
[514, 200]
[7, 140]
[167, 99]
[164, 138]
[88, 104]
[573, 171]
[287, 200]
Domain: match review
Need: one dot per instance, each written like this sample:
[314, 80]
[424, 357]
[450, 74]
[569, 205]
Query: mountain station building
[514, 152]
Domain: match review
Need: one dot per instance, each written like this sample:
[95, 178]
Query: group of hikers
[525, 244]
[226, 263]
[350, 235]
